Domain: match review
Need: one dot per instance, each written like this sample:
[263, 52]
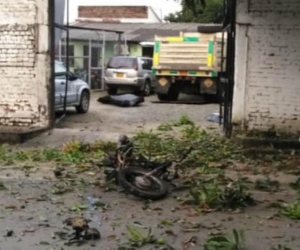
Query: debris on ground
[82, 230]
[236, 241]
[214, 117]
[267, 184]
[125, 100]
[9, 233]
[292, 210]
[219, 183]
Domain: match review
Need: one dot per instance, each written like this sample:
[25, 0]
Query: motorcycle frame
[121, 160]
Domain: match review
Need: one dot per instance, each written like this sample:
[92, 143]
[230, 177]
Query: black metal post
[222, 74]
[67, 62]
[51, 92]
[227, 125]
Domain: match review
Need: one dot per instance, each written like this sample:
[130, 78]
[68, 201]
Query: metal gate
[99, 45]
[227, 78]
[92, 60]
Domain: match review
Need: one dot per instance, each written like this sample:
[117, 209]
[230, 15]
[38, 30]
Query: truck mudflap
[163, 85]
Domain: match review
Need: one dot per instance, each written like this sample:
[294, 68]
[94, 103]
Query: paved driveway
[108, 121]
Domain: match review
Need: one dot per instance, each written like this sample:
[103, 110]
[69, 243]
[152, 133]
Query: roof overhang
[209, 29]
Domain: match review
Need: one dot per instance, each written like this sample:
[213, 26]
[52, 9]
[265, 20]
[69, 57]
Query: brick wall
[114, 12]
[24, 63]
[267, 90]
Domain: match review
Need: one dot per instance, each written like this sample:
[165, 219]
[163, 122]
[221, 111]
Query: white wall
[24, 63]
[267, 73]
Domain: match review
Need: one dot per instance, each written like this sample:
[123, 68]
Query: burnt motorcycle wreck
[138, 175]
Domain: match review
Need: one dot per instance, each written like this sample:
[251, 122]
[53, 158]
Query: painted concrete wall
[24, 63]
[135, 49]
[267, 74]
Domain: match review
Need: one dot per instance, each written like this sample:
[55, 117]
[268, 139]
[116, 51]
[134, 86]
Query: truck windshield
[121, 63]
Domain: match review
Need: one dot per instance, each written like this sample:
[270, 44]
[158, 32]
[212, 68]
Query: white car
[78, 92]
[129, 72]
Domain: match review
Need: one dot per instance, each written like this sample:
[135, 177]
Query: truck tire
[172, 95]
[212, 98]
[162, 97]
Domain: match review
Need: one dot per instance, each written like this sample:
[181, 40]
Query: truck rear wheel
[212, 98]
[172, 95]
[162, 97]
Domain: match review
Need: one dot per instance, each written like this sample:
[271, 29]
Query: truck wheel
[163, 97]
[212, 98]
[172, 95]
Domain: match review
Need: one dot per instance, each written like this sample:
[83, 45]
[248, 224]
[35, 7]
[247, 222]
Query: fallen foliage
[292, 211]
[236, 241]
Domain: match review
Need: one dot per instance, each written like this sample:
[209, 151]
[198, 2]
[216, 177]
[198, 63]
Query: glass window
[122, 63]
[147, 64]
[150, 63]
[95, 57]
[60, 71]
[60, 68]
[71, 54]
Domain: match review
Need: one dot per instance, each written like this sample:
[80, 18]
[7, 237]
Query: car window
[122, 63]
[61, 77]
[60, 68]
[146, 64]
[150, 61]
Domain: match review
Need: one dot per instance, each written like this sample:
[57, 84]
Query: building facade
[267, 65]
[25, 64]
[122, 14]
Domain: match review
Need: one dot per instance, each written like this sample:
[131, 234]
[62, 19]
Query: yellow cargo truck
[189, 63]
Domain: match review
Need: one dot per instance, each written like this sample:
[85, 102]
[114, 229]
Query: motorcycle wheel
[152, 188]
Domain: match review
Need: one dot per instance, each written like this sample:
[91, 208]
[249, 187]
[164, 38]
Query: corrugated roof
[136, 32]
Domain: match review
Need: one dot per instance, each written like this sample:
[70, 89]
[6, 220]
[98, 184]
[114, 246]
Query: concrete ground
[31, 207]
[34, 211]
[108, 121]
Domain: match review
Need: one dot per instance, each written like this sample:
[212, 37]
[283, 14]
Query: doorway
[147, 51]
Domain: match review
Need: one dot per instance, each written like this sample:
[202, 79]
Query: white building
[267, 65]
[122, 14]
[25, 65]
[161, 7]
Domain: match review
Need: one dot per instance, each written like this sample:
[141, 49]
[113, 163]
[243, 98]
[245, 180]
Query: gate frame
[226, 77]
[91, 44]
[67, 27]
[227, 80]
